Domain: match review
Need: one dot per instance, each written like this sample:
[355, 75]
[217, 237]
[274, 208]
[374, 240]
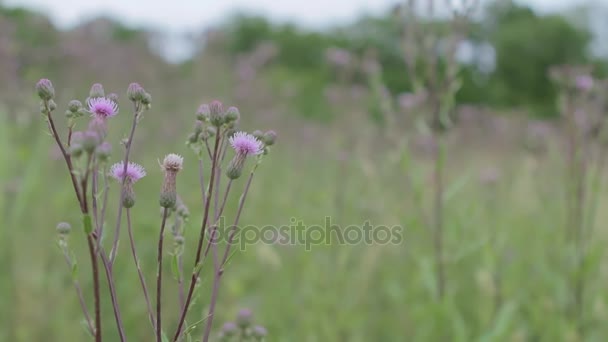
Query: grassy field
[509, 264]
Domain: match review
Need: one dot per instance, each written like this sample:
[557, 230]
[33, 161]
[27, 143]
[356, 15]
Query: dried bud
[135, 92]
[74, 106]
[63, 228]
[218, 115]
[103, 151]
[96, 91]
[269, 138]
[171, 165]
[45, 89]
[259, 332]
[232, 114]
[203, 113]
[113, 97]
[244, 318]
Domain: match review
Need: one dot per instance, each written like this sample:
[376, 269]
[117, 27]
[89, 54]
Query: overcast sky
[187, 15]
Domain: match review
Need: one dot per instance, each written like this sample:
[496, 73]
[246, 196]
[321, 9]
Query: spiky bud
[129, 200]
[63, 228]
[232, 115]
[74, 106]
[132, 174]
[96, 91]
[171, 165]
[135, 92]
[269, 138]
[218, 115]
[203, 113]
[45, 89]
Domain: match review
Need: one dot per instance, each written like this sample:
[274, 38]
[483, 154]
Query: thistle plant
[242, 329]
[430, 57]
[87, 153]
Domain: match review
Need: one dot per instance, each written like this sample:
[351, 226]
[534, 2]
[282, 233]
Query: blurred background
[522, 98]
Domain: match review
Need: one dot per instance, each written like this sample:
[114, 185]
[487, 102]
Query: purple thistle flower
[134, 172]
[246, 144]
[102, 107]
[259, 332]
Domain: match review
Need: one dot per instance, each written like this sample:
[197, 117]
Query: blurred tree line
[509, 51]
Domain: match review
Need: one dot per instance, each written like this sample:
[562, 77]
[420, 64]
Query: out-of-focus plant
[583, 105]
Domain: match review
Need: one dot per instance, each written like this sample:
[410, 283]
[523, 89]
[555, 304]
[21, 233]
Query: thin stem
[438, 217]
[113, 251]
[66, 156]
[200, 240]
[83, 304]
[142, 279]
[110, 277]
[217, 217]
[159, 276]
[180, 281]
[201, 176]
[219, 268]
[95, 270]
[104, 205]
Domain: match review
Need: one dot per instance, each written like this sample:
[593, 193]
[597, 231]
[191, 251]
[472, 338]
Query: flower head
[172, 162]
[134, 172]
[45, 89]
[584, 82]
[102, 108]
[246, 144]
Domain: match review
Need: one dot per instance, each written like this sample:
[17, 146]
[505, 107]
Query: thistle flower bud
[269, 138]
[198, 127]
[90, 141]
[146, 99]
[232, 114]
[52, 105]
[259, 332]
[244, 318]
[135, 92]
[96, 91]
[235, 167]
[76, 144]
[45, 89]
[103, 151]
[171, 165]
[203, 113]
[134, 172]
[230, 329]
[258, 135]
[129, 200]
[63, 228]
[74, 106]
[113, 97]
[192, 138]
[218, 115]
[182, 211]
[210, 131]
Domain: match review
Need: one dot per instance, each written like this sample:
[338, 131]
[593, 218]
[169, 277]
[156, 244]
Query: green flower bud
[232, 114]
[269, 138]
[74, 106]
[96, 91]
